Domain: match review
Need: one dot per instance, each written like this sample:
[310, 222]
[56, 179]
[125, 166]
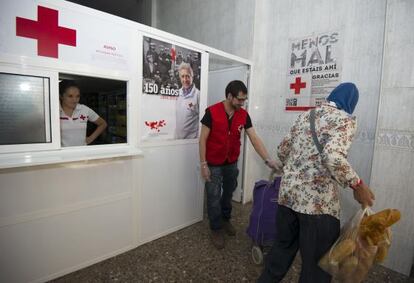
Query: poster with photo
[171, 91]
[315, 66]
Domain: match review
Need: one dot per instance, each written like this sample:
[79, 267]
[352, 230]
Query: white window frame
[128, 111]
[51, 114]
[12, 156]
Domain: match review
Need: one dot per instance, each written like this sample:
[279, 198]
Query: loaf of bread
[374, 228]
[342, 250]
[386, 217]
[348, 265]
[365, 255]
[326, 265]
[381, 253]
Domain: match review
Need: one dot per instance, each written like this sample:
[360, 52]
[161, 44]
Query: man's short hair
[234, 87]
[186, 66]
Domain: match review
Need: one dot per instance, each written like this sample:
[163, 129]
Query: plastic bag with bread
[364, 240]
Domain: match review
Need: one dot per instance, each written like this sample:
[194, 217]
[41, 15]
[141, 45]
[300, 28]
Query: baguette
[348, 265]
[342, 250]
[374, 228]
[386, 217]
[381, 253]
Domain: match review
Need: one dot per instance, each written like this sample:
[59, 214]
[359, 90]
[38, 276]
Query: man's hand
[205, 172]
[276, 165]
[364, 195]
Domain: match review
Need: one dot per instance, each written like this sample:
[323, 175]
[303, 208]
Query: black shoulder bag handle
[313, 131]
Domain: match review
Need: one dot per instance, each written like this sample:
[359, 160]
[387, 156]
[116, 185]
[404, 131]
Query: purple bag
[262, 224]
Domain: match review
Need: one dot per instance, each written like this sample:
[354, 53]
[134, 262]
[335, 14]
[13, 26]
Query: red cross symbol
[297, 85]
[46, 31]
[82, 117]
[173, 54]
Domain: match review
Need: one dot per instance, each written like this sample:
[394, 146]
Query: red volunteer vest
[223, 144]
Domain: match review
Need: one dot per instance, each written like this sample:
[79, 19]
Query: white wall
[362, 64]
[277, 22]
[393, 166]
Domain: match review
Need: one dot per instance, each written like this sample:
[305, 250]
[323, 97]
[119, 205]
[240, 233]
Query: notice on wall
[315, 65]
[171, 91]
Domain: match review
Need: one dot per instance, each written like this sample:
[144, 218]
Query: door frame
[242, 163]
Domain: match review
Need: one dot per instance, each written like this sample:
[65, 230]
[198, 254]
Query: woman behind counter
[75, 116]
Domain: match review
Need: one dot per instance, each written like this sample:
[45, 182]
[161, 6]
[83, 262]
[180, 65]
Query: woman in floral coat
[308, 212]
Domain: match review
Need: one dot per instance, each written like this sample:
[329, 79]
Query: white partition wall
[58, 218]
[171, 195]
[62, 209]
[173, 200]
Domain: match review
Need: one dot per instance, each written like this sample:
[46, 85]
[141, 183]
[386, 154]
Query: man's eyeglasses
[241, 98]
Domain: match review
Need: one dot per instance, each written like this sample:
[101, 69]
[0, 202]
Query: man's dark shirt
[206, 121]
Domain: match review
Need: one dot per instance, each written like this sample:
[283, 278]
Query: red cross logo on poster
[297, 85]
[300, 94]
[46, 31]
[173, 53]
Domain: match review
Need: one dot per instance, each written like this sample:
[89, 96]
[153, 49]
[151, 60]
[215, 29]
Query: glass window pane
[22, 109]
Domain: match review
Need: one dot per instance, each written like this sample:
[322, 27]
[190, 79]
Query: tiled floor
[188, 256]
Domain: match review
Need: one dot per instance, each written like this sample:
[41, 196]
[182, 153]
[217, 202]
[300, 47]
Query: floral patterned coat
[311, 181]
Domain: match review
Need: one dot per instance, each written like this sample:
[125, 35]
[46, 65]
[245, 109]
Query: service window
[24, 111]
[93, 111]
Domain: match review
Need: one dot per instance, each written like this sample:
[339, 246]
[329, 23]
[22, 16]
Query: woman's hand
[364, 195]
[89, 140]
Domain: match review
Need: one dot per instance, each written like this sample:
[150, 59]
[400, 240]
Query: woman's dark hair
[234, 87]
[65, 84]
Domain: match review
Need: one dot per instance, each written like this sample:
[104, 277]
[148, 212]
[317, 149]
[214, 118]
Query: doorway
[221, 71]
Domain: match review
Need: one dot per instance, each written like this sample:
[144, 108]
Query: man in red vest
[221, 129]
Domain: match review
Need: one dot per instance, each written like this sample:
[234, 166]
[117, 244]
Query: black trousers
[313, 235]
